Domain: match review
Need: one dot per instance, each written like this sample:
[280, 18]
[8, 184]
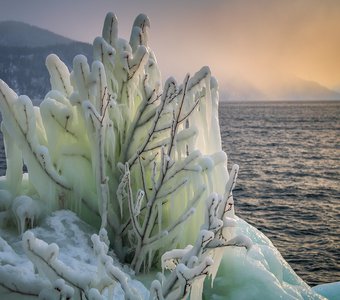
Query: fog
[262, 41]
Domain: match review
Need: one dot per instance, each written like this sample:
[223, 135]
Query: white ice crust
[257, 273]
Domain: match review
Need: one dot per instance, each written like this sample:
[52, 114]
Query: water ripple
[288, 185]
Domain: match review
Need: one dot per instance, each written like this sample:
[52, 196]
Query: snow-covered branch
[128, 156]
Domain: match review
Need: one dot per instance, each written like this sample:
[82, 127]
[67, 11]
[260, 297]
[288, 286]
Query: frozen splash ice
[110, 144]
[141, 163]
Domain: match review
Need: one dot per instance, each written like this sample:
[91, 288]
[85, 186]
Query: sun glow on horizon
[261, 41]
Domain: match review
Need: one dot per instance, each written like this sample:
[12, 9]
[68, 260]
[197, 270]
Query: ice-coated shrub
[127, 155]
[111, 144]
[139, 161]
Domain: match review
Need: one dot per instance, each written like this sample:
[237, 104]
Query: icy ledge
[329, 290]
[257, 273]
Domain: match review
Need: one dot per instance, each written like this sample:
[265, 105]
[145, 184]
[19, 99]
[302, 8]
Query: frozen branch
[123, 152]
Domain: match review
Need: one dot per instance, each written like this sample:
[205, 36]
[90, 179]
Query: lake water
[289, 180]
[288, 185]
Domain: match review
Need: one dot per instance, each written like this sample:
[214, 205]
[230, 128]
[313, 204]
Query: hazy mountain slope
[237, 89]
[288, 89]
[300, 89]
[18, 34]
[24, 70]
[22, 63]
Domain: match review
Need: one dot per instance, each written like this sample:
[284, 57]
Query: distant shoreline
[276, 101]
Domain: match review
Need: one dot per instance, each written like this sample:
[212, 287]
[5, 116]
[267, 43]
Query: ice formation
[141, 165]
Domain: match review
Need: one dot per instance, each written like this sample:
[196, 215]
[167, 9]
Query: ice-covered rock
[328, 290]
[256, 273]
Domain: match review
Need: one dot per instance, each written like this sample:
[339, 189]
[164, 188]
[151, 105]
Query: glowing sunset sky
[255, 39]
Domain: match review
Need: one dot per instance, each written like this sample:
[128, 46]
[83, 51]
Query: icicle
[156, 290]
[95, 295]
[160, 215]
[104, 190]
[197, 289]
[14, 162]
[139, 199]
[5, 199]
[121, 192]
[26, 210]
[217, 256]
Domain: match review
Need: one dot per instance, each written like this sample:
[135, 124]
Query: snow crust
[257, 273]
[73, 237]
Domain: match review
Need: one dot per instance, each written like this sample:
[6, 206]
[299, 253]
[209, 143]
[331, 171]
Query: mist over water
[288, 185]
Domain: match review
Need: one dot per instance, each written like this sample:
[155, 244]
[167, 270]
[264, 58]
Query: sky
[261, 41]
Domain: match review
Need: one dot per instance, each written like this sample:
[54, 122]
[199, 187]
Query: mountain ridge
[20, 34]
[22, 65]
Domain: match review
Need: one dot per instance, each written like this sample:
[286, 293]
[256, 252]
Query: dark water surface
[289, 180]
